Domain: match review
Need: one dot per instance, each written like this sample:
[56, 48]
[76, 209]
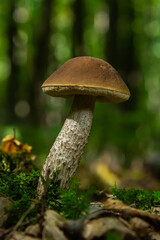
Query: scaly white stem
[68, 147]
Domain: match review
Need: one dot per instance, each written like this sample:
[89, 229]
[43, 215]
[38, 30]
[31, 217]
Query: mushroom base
[68, 147]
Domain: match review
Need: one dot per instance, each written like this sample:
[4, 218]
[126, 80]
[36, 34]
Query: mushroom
[87, 79]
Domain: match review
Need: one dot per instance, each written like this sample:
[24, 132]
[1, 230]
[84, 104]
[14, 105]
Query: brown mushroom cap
[87, 76]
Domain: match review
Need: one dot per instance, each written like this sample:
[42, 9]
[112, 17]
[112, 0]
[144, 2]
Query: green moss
[142, 199]
[111, 235]
[17, 185]
[21, 188]
[19, 160]
[74, 202]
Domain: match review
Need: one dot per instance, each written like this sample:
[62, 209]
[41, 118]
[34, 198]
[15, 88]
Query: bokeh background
[37, 36]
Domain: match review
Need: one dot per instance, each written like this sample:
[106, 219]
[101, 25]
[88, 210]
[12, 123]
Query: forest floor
[108, 217]
[110, 220]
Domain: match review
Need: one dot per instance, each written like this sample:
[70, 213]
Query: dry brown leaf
[26, 148]
[11, 145]
[53, 222]
[106, 175]
[154, 236]
[99, 227]
[140, 226]
[4, 205]
[127, 211]
[22, 236]
[33, 230]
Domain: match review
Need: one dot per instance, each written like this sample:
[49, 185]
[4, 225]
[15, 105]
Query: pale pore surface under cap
[102, 95]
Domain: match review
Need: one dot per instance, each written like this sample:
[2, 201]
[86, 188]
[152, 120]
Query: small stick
[14, 133]
[25, 224]
[45, 193]
[21, 220]
[43, 199]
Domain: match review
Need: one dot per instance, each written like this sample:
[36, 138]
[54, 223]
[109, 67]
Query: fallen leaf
[99, 227]
[4, 205]
[53, 222]
[33, 230]
[106, 175]
[22, 236]
[140, 226]
[11, 145]
[127, 211]
[26, 148]
[154, 236]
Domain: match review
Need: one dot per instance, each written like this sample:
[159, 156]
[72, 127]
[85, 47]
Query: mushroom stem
[68, 147]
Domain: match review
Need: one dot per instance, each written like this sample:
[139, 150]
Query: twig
[43, 199]
[14, 133]
[4, 196]
[21, 220]
[24, 216]
[44, 193]
[25, 224]
[19, 224]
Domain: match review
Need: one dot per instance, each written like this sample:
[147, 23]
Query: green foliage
[17, 183]
[21, 189]
[16, 186]
[53, 193]
[15, 161]
[142, 199]
[113, 236]
[156, 198]
[74, 202]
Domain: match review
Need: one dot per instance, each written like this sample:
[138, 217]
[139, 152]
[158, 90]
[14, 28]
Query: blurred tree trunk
[12, 85]
[120, 45]
[113, 33]
[40, 64]
[78, 28]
